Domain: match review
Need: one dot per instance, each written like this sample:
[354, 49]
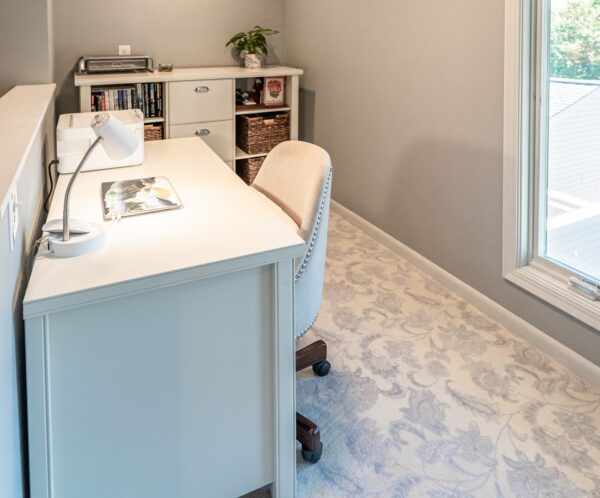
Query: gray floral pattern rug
[428, 397]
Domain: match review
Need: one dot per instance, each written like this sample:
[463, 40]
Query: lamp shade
[119, 141]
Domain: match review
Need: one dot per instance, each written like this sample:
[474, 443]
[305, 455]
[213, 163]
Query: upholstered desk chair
[295, 181]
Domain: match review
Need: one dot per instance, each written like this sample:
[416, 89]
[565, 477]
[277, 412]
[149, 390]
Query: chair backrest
[297, 177]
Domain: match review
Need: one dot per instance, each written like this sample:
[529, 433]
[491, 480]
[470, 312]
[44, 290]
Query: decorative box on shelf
[259, 133]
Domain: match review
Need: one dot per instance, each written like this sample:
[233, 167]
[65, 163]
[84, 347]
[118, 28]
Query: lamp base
[78, 244]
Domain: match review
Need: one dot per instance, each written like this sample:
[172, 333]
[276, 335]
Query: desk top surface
[222, 227]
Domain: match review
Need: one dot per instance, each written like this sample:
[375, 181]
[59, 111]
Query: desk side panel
[166, 393]
[284, 359]
[37, 414]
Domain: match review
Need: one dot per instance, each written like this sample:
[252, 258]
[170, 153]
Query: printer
[74, 135]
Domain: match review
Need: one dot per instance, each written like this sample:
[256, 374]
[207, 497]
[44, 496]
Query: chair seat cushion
[277, 210]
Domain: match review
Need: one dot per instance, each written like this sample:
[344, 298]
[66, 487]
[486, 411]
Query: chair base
[307, 432]
[312, 456]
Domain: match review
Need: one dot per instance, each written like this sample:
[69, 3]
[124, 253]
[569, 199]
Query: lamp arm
[66, 235]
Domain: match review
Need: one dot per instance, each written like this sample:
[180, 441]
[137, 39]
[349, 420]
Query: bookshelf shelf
[240, 154]
[241, 110]
[154, 120]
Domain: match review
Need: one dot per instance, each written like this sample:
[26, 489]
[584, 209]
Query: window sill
[552, 287]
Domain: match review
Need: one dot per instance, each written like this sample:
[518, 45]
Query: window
[552, 152]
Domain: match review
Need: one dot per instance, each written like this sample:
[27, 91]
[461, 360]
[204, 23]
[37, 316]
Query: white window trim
[536, 275]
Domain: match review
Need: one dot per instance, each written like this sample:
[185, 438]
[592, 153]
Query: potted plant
[252, 44]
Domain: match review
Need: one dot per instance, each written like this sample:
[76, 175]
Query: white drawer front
[217, 135]
[198, 101]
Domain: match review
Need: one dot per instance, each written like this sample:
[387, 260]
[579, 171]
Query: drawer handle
[202, 133]
[202, 89]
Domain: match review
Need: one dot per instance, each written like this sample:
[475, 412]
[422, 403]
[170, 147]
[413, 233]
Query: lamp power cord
[49, 168]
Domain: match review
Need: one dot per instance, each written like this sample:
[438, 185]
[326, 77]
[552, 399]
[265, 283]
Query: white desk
[162, 365]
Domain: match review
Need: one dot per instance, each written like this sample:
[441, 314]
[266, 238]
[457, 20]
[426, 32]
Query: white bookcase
[201, 101]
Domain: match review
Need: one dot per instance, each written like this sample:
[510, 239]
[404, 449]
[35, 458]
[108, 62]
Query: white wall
[181, 32]
[407, 96]
[14, 269]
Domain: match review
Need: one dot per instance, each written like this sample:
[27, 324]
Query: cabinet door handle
[202, 89]
[202, 133]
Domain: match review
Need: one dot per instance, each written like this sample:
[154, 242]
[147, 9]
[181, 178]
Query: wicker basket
[247, 169]
[153, 132]
[259, 133]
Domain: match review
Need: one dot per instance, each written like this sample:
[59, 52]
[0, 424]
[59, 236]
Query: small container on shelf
[247, 169]
[153, 132]
[259, 133]
[257, 90]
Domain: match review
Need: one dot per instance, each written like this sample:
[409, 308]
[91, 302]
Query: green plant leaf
[235, 39]
[252, 42]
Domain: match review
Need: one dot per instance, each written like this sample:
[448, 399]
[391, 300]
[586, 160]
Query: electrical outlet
[124, 49]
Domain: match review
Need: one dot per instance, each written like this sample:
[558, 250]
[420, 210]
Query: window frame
[523, 204]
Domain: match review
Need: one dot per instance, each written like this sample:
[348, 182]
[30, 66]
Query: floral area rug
[428, 397]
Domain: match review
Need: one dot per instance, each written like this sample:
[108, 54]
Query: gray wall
[408, 99]
[181, 32]
[14, 271]
[26, 48]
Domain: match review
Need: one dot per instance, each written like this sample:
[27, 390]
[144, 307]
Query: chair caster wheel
[312, 456]
[322, 368]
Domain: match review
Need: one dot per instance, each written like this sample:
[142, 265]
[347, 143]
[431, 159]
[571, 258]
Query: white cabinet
[201, 102]
[205, 109]
[218, 135]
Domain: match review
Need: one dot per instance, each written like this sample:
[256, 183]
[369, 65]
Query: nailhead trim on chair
[307, 328]
[315, 232]
[312, 244]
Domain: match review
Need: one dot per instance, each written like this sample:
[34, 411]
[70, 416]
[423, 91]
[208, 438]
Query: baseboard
[569, 358]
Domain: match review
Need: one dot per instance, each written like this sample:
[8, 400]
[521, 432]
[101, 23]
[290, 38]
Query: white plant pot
[253, 61]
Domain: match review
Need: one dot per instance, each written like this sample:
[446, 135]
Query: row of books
[148, 97]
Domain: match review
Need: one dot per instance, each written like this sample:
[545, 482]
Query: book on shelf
[152, 110]
[146, 102]
[148, 97]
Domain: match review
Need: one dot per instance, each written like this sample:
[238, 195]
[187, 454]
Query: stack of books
[148, 97]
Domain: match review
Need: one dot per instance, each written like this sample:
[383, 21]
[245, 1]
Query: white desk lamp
[118, 142]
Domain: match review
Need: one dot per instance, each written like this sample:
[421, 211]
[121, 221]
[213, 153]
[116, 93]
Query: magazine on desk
[138, 196]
